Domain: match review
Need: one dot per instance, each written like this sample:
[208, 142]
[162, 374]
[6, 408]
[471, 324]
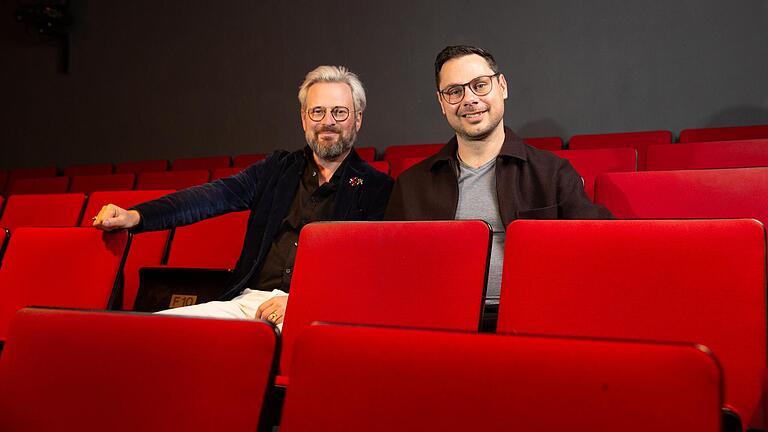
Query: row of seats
[344, 378]
[682, 281]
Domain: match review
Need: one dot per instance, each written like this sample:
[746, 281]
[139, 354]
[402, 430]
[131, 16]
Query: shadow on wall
[739, 116]
[540, 128]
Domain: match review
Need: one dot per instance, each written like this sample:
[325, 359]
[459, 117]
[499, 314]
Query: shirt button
[287, 271]
[296, 244]
[314, 173]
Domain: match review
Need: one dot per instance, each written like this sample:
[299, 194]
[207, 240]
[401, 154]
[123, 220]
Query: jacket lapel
[348, 194]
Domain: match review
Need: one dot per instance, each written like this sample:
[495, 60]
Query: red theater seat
[397, 166]
[591, 163]
[722, 154]
[408, 274]
[724, 133]
[6, 235]
[43, 185]
[637, 140]
[367, 154]
[147, 249]
[412, 150]
[60, 267]
[133, 372]
[55, 210]
[394, 379]
[89, 169]
[243, 161]
[206, 163]
[23, 173]
[725, 193]
[211, 243]
[141, 166]
[696, 281]
[171, 179]
[106, 182]
[545, 143]
[224, 172]
[382, 166]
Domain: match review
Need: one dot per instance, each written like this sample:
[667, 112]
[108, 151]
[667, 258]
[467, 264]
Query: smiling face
[475, 117]
[330, 138]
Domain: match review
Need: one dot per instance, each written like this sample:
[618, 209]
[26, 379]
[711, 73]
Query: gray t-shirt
[478, 200]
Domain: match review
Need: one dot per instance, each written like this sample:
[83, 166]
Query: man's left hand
[273, 309]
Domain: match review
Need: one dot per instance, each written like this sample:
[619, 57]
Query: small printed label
[181, 300]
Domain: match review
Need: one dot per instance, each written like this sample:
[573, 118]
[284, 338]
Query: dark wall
[155, 79]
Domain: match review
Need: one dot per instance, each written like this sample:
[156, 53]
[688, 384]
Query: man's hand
[273, 309]
[113, 217]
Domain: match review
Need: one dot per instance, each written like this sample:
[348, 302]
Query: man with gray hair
[326, 180]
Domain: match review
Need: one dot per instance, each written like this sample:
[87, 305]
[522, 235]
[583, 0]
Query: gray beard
[333, 151]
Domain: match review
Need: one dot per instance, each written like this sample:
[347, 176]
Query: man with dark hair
[326, 180]
[486, 171]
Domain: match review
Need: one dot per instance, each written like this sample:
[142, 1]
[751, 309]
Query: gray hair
[334, 74]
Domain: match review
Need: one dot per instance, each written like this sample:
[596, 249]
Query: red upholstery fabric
[637, 140]
[725, 193]
[106, 182]
[224, 172]
[411, 274]
[6, 235]
[60, 267]
[724, 133]
[382, 166]
[212, 243]
[367, 154]
[133, 372]
[397, 166]
[55, 210]
[394, 379]
[699, 281]
[243, 161]
[171, 179]
[147, 249]
[206, 163]
[141, 166]
[545, 143]
[20, 173]
[722, 154]
[591, 163]
[89, 169]
[413, 150]
[43, 185]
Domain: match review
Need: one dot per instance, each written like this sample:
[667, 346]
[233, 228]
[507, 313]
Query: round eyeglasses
[480, 86]
[339, 113]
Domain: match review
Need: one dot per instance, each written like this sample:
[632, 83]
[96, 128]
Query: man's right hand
[113, 217]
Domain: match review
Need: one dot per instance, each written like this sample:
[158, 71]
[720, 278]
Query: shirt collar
[512, 147]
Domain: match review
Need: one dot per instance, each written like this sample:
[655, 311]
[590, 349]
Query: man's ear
[503, 84]
[303, 115]
[440, 102]
[358, 120]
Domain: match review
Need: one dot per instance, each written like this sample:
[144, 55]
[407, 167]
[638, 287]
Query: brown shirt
[530, 184]
[311, 203]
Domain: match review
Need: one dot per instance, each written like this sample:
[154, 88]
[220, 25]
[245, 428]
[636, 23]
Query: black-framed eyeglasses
[480, 86]
[339, 113]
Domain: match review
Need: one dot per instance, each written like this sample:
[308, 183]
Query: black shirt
[311, 203]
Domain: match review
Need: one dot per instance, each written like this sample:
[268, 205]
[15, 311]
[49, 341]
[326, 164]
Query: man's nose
[469, 97]
[328, 119]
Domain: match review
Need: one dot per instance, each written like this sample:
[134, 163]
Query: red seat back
[397, 166]
[245, 160]
[43, 185]
[394, 379]
[89, 169]
[130, 372]
[591, 163]
[382, 166]
[171, 179]
[141, 166]
[23, 173]
[726, 193]
[724, 133]
[698, 281]
[637, 140]
[105, 182]
[198, 163]
[545, 143]
[60, 267]
[391, 270]
[411, 150]
[147, 249]
[211, 243]
[224, 172]
[55, 210]
[723, 154]
[367, 154]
